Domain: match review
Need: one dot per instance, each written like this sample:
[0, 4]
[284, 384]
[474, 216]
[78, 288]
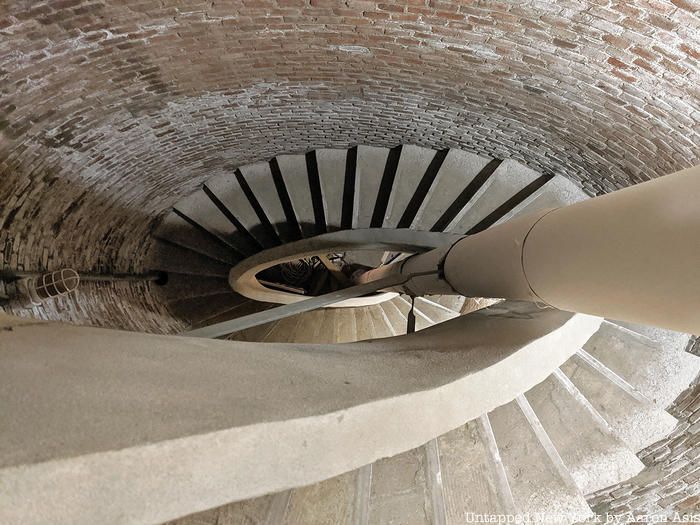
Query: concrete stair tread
[402, 304]
[328, 325]
[399, 490]
[310, 327]
[536, 482]
[557, 192]
[434, 310]
[259, 178]
[183, 286]
[668, 339]
[368, 175]
[331, 501]
[458, 170]
[199, 310]
[395, 316]
[592, 454]
[633, 419]
[168, 257]
[423, 321]
[331, 171]
[253, 335]
[659, 374]
[345, 324]
[228, 190]
[473, 477]
[178, 231]
[451, 302]
[245, 308]
[508, 179]
[364, 325]
[381, 326]
[296, 180]
[284, 330]
[413, 164]
[200, 208]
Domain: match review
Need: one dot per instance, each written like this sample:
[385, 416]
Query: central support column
[630, 255]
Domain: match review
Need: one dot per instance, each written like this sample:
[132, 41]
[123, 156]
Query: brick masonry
[112, 111]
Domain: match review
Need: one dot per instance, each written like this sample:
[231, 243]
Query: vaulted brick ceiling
[110, 111]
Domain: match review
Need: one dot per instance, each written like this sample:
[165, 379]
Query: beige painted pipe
[631, 255]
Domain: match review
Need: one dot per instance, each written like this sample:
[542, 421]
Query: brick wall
[111, 111]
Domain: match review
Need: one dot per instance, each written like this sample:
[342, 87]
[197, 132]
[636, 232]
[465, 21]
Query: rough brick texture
[112, 111]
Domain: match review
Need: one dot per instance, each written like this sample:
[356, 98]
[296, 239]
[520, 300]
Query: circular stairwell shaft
[617, 256]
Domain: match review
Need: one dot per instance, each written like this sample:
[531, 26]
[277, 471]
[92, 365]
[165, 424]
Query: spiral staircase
[571, 432]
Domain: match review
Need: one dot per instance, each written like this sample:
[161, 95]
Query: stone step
[509, 178]
[537, 477]
[413, 164]
[382, 327]
[457, 171]
[473, 477]
[234, 196]
[331, 501]
[309, 327]
[363, 324]
[368, 176]
[633, 419]
[592, 454]
[296, 181]
[284, 330]
[400, 490]
[668, 339]
[345, 324]
[394, 327]
[169, 257]
[658, 372]
[325, 330]
[396, 317]
[246, 307]
[177, 230]
[557, 192]
[259, 179]
[254, 334]
[422, 320]
[202, 209]
[451, 302]
[331, 171]
[402, 304]
[198, 310]
[434, 310]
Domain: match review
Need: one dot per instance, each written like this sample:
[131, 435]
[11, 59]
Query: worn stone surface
[671, 481]
[159, 426]
[538, 486]
[591, 453]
